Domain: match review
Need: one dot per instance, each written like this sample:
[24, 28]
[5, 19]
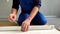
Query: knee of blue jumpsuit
[41, 19]
[21, 18]
[44, 21]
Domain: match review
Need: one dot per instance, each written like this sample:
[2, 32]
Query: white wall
[49, 8]
[5, 8]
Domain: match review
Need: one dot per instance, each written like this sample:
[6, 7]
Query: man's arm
[37, 4]
[13, 11]
[15, 6]
[33, 13]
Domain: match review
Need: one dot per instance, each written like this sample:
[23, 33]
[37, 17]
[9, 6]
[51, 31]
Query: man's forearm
[33, 13]
[13, 10]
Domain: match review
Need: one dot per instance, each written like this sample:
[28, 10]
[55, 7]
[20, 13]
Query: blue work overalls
[26, 8]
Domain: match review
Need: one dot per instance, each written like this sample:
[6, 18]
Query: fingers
[24, 27]
[12, 18]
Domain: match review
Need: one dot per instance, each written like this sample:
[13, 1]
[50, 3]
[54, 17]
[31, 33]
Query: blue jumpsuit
[26, 8]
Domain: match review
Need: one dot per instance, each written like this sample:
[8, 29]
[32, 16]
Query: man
[30, 13]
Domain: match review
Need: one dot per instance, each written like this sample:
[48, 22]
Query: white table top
[54, 31]
[37, 31]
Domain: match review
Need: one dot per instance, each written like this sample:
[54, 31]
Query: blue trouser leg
[22, 17]
[39, 19]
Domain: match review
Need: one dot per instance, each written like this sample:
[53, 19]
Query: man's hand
[25, 25]
[12, 17]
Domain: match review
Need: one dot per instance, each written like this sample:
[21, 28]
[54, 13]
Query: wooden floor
[7, 24]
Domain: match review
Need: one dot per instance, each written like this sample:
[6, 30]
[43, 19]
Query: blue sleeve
[15, 4]
[37, 3]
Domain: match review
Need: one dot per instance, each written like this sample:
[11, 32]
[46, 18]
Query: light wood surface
[7, 24]
[37, 27]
